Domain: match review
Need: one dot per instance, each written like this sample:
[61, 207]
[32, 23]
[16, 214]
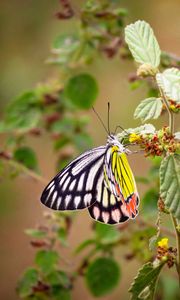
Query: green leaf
[177, 135]
[61, 142]
[140, 241]
[27, 157]
[64, 126]
[57, 277]
[153, 92]
[144, 284]
[102, 276]
[62, 236]
[142, 179]
[149, 108]
[170, 288]
[65, 48]
[82, 90]
[170, 183]
[143, 129]
[169, 81]
[84, 245]
[22, 114]
[82, 141]
[60, 293]
[65, 43]
[28, 281]
[106, 234]
[47, 260]
[142, 43]
[149, 201]
[36, 233]
[63, 162]
[153, 242]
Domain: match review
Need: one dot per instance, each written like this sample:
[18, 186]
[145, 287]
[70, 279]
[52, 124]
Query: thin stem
[171, 115]
[171, 127]
[27, 171]
[178, 244]
[141, 221]
[172, 56]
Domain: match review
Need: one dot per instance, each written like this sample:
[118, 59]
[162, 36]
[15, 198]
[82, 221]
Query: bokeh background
[27, 29]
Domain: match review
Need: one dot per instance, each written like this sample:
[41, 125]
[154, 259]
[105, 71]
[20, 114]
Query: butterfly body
[100, 180]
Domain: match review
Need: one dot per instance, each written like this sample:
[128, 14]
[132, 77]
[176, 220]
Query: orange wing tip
[129, 208]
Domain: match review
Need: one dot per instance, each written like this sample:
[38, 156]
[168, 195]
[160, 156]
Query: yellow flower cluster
[163, 243]
[134, 138]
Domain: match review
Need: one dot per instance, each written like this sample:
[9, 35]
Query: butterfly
[100, 180]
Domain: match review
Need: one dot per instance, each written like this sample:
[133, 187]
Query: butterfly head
[112, 140]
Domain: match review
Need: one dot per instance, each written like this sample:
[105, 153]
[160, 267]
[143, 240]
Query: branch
[172, 56]
[22, 168]
[171, 115]
[178, 245]
[141, 221]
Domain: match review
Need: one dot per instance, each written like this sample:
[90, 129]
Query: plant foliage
[58, 109]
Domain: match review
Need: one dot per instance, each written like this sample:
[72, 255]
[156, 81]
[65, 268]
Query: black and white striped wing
[108, 208]
[75, 187]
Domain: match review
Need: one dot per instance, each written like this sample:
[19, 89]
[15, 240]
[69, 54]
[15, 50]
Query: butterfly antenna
[101, 121]
[108, 118]
[121, 129]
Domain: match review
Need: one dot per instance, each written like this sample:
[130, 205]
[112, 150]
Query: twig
[27, 171]
[141, 221]
[177, 233]
[171, 115]
[172, 56]
[178, 245]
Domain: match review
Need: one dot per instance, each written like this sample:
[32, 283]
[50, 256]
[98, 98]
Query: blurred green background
[27, 29]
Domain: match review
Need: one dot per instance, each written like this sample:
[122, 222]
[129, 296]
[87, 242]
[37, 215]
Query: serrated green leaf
[47, 260]
[169, 81]
[36, 233]
[29, 279]
[170, 184]
[27, 157]
[106, 234]
[81, 90]
[144, 284]
[142, 43]
[149, 108]
[102, 276]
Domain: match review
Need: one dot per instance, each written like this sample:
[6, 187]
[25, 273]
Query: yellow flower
[163, 243]
[134, 138]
